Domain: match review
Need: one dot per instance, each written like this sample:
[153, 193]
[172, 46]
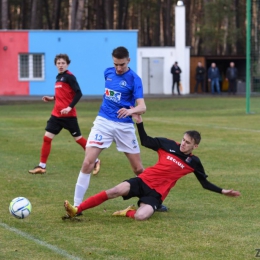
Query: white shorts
[104, 132]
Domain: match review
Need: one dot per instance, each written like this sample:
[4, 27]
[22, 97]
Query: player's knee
[141, 216]
[113, 193]
[46, 139]
[88, 165]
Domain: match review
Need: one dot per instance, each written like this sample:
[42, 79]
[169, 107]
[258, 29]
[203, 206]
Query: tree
[213, 27]
[4, 14]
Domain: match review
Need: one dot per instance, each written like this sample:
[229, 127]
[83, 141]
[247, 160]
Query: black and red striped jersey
[67, 93]
[171, 166]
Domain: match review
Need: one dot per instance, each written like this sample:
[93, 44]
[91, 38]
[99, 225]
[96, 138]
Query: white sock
[43, 165]
[81, 187]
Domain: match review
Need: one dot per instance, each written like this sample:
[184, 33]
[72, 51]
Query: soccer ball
[20, 207]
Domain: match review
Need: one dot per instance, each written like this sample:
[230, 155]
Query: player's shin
[81, 187]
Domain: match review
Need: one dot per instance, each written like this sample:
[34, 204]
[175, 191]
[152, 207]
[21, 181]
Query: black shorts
[56, 124]
[145, 194]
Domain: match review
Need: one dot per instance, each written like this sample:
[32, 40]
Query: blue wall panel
[89, 52]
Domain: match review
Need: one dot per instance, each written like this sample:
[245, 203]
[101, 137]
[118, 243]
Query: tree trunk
[122, 14]
[4, 14]
[167, 20]
[56, 14]
[73, 13]
[24, 15]
[109, 14]
[80, 13]
[47, 14]
[33, 24]
[156, 24]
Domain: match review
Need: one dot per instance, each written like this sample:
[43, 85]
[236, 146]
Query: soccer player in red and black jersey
[64, 114]
[154, 183]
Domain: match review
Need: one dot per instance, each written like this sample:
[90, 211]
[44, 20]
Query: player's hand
[138, 118]
[231, 193]
[123, 112]
[47, 98]
[65, 111]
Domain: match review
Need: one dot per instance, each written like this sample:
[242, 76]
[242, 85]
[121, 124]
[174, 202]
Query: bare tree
[47, 14]
[167, 20]
[4, 14]
[56, 12]
[73, 4]
[79, 14]
[109, 11]
[36, 15]
[213, 27]
[122, 14]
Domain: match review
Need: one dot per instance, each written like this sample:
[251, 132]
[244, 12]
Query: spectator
[231, 77]
[213, 77]
[200, 77]
[176, 71]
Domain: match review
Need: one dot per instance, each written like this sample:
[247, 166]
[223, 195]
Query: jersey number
[98, 137]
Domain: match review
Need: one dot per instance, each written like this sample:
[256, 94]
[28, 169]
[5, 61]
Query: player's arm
[48, 98]
[146, 140]
[76, 88]
[140, 108]
[78, 94]
[212, 187]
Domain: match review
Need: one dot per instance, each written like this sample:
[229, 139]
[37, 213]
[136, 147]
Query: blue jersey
[120, 91]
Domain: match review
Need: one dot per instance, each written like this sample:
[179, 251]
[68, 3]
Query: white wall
[170, 56]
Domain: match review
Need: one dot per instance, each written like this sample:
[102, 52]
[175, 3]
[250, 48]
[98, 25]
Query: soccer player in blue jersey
[123, 97]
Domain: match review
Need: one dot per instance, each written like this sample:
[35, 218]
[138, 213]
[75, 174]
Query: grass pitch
[200, 224]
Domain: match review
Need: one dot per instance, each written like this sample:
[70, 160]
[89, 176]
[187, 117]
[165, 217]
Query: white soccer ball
[20, 207]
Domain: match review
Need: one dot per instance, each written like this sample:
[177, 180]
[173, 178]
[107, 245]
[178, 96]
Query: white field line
[37, 241]
[204, 125]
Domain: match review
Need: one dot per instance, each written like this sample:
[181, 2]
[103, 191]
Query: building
[27, 58]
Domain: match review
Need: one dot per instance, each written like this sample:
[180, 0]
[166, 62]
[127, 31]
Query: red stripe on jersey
[165, 173]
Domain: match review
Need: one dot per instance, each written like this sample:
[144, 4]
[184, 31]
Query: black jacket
[176, 71]
[231, 73]
[200, 73]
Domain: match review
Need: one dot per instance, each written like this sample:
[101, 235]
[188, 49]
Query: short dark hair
[195, 135]
[62, 56]
[120, 53]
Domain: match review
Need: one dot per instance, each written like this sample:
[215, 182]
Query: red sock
[130, 213]
[46, 149]
[93, 201]
[82, 142]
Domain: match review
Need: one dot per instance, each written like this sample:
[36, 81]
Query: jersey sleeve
[138, 88]
[72, 81]
[147, 141]
[202, 178]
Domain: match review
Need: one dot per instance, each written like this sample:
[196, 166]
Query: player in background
[64, 115]
[154, 183]
[123, 96]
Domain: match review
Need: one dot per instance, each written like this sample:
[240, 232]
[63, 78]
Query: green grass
[200, 224]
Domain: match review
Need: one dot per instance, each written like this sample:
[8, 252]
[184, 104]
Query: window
[31, 66]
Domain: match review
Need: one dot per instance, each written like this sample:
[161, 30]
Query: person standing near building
[200, 77]
[213, 77]
[64, 114]
[176, 71]
[231, 76]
